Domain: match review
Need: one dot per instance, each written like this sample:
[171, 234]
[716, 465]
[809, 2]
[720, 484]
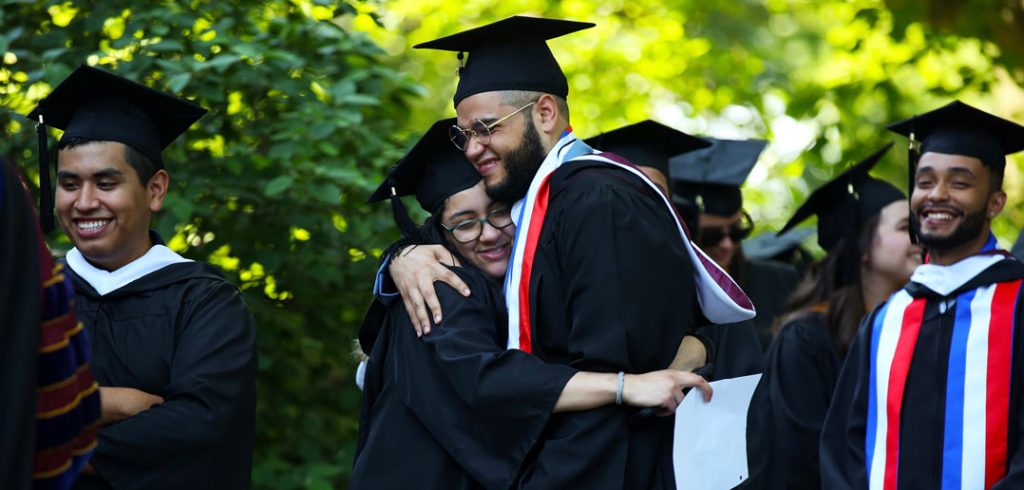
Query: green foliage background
[312, 100]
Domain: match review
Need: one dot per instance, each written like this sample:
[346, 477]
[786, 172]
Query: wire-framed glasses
[478, 129]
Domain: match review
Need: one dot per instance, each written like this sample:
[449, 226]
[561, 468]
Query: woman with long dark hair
[455, 409]
[862, 224]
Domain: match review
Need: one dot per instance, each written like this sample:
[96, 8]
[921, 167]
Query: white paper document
[710, 445]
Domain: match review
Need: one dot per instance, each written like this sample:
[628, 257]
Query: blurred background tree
[311, 100]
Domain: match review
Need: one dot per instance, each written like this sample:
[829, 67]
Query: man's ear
[546, 114]
[996, 202]
[156, 189]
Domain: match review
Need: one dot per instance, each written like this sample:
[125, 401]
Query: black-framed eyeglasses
[709, 236]
[471, 229]
[479, 129]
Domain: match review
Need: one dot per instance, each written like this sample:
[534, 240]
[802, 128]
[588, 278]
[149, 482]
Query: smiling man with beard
[930, 395]
[598, 249]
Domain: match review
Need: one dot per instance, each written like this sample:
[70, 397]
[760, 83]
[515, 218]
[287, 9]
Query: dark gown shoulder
[452, 409]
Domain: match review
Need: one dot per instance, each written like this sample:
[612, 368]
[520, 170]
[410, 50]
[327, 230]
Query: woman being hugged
[455, 409]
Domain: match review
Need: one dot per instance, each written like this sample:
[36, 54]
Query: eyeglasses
[481, 130]
[709, 236]
[471, 229]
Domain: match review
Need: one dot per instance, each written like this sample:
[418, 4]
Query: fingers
[443, 256]
[431, 302]
[452, 279]
[413, 303]
[702, 384]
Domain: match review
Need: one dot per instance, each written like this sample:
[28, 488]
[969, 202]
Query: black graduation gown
[740, 347]
[789, 406]
[921, 423]
[182, 333]
[768, 284]
[611, 290]
[19, 331]
[452, 409]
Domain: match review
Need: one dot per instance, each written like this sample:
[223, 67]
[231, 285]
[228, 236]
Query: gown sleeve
[486, 406]
[841, 448]
[210, 393]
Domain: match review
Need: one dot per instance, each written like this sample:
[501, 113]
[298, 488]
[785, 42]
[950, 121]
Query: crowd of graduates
[540, 328]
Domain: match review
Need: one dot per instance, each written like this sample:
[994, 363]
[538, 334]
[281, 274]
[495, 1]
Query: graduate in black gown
[598, 251]
[649, 145]
[862, 223]
[710, 180]
[173, 342]
[930, 393]
[455, 409]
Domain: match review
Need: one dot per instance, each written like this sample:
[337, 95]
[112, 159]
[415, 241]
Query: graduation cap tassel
[45, 187]
[401, 216]
[913, 155]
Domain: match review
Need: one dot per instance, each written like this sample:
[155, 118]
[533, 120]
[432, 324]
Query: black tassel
[45, 187]
[913, 155]
[401, 215]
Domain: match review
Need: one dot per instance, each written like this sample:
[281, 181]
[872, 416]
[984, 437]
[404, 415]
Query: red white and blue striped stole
[977, 386]
[720, 298]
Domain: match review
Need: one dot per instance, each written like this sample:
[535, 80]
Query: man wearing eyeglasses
[601, 275]
[710, 180]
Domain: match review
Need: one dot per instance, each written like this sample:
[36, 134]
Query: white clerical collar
[944, 279]
[105, 282]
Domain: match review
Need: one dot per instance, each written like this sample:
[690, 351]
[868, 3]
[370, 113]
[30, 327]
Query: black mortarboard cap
[432, 170]
[647, 143]
[770, 245]
[100, 106]
[511, 54]
[959, 129]
[97, 105]
[712, 176]
[845, 202]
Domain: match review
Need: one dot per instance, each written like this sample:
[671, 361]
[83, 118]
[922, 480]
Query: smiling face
[891, 255]
[517, 145]
[953, 204]
[490, 252]
[102, 206]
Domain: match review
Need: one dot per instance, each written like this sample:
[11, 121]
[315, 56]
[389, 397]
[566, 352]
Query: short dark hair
[144, 167]
[522, 97]
[996, 176]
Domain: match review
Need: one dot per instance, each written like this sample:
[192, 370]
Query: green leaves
[178, 82]
[272, 181]
[278, 185]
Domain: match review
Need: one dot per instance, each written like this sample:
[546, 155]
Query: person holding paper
[455, 409]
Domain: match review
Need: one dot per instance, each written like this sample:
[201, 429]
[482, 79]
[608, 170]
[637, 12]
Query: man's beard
[521, 165]
[968, 230]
